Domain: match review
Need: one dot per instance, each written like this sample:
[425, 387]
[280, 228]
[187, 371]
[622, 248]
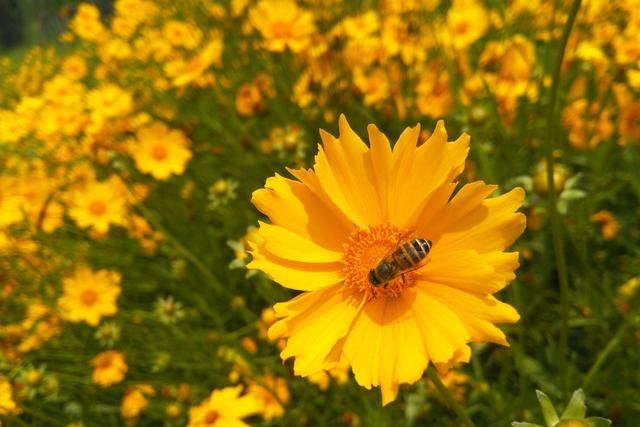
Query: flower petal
[491, 226]
[381, 158]
[433, 164]
[294, 206]
[289, 245]
[477, 312]
[344, 172]
[302, 276]
[443, 333]
[486, 273]
[385, 345]
[314, 323]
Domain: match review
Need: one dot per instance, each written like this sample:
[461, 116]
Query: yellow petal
[314, 330]
[384, 345]
[380, 157]
[477, 312]
[404, 150]
[434, 163]
[492, 226]
[289, 245]
[443, 334]
[470, 271]
[294, 206]
[302, 276]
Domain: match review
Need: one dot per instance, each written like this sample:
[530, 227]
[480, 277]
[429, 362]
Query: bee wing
[401, 239]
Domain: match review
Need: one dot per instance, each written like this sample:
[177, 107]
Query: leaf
[597, 422]
[573, 194]
[576, 408]
[548, 411]
[521, 424]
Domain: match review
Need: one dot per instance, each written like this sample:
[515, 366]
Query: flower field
[233, 213]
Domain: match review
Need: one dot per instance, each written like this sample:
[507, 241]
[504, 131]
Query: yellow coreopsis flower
[335, 223]
[89, 295]
[98, 205]
[160, 151]
[283, 24]
[224, 408]
[135, 401]
[273, 392]
[109, 367]
[193, 69]
[7, 405]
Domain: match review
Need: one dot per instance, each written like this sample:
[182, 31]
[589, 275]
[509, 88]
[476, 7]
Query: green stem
[180, 247]
[451, 401]
[552, 208]
[604, 354]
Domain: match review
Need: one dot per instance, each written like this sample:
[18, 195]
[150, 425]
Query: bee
[401, 259]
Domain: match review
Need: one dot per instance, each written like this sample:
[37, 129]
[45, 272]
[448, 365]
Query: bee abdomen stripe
[401, 258]
[416, 244]
[415, 256]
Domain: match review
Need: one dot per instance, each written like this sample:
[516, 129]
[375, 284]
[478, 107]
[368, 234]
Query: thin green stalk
[451, 401]
[604, 354]
[552, 208]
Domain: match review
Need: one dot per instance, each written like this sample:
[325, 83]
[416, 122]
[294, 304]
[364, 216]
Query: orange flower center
[195, 65]
[211, 417]
[281, 29]
[364, 251]
[98, 207]
[89, 297]
[159, 152]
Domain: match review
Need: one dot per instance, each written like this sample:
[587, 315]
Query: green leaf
[597, 422]
[573, 194]
[548, 411]
[520, 424]
[576, 408]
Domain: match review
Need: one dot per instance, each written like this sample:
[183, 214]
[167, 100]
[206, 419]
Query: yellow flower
[283, 24]
[109, 101]
[160, 151]
[467, 21]
[74, 67]
[10, 202]
[224, 408]
[98, 205]
[89, 295]
[193, 69]
[182, 34]
[335, 223]
[609, 226]
[7, 405]
[86, 23]
[134, 401]
[109, 367]
[273, 392]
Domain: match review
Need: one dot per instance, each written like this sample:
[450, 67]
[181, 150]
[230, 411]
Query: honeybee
[402, 259]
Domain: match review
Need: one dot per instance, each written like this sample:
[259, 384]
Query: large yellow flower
[336, 222]
[89, 295]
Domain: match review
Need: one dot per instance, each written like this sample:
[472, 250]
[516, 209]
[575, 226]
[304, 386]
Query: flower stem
[451, 401]
[604, 354]
[552, 208]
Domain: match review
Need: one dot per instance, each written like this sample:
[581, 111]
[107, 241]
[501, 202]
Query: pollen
[364, 250]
